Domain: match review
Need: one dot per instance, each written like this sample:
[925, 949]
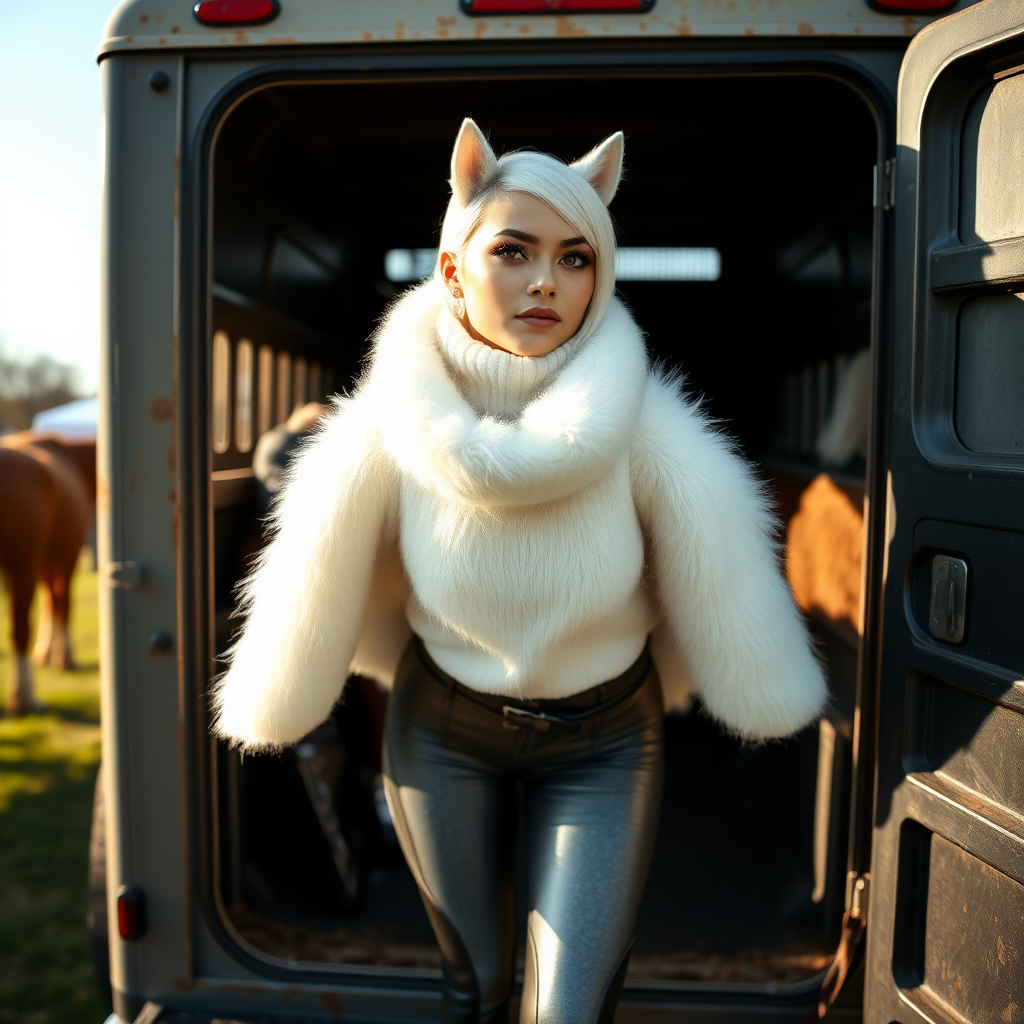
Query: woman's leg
[455, 819]
[591, 827]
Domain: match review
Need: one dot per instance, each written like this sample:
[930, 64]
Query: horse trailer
[838, 182]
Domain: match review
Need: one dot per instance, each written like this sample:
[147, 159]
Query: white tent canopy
[76, 420]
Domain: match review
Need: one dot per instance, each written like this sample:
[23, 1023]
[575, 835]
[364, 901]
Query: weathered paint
[161, 409]
[152, 24]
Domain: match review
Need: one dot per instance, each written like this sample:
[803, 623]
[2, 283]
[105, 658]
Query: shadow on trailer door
[322, 213]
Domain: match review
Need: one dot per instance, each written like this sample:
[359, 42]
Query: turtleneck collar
[495, 382]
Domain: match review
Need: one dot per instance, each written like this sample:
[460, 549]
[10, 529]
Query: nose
[544, 282]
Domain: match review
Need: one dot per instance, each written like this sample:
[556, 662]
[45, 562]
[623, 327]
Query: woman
[514, 519]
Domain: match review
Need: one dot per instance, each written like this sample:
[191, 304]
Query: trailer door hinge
[858, 891]
[885, 185]
[124, 575]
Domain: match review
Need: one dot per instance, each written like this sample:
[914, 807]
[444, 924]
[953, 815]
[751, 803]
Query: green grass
[48, 766]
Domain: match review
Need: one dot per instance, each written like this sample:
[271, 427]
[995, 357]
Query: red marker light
[557, 6]
[131, 913]
[911, 6]
[236, 12]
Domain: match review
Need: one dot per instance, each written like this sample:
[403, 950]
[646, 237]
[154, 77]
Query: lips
[539, 316]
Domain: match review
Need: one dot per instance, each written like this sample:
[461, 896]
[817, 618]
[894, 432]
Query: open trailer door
[946, 927]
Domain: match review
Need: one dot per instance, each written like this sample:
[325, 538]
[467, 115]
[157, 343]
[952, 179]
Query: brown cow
[47, 506]
[824, 547]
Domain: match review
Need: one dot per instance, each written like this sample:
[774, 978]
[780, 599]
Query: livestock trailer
[807, 180]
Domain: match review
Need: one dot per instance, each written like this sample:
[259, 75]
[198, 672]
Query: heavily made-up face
[526, 277]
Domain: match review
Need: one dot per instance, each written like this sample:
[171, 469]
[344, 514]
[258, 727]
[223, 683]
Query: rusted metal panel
[137, 528]
[167, 24]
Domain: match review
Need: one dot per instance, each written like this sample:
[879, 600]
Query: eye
[509, 251]
[577, 259]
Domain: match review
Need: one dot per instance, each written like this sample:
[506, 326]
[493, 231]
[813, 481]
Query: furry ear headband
[473, 162]
[602, 166]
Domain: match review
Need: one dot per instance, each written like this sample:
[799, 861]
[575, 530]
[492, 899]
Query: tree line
[31, 384]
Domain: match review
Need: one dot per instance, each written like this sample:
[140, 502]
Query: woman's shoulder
[348, 436]
[407, 322]
[667, 407]
[677, 444]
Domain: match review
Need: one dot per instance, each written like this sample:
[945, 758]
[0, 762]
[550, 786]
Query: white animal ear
[473, 161]
[602, 166]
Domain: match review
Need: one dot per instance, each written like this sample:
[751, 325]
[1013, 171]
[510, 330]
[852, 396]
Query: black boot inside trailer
[326, 203]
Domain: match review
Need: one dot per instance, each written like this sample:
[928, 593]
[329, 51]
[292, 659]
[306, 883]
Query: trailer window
[284, 386]
[668, 264]
[265, 392]
[221, 389]
[632, 263]
[243, 395]
[300, 371]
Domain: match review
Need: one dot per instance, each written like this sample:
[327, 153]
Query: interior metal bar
[989, 265]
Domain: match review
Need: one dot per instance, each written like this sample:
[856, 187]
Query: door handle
[948, 618]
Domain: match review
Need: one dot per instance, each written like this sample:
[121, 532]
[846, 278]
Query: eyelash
[585, 259]
[507, 249]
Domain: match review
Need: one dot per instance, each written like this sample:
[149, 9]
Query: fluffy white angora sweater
[533, 520]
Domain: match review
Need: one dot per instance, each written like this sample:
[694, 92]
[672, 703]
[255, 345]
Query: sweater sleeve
[715, 570]
[306, 598]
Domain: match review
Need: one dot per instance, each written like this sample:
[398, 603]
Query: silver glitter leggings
[591, 766]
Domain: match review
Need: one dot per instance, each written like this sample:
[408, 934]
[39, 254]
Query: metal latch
[885, 185]
[948, 615]
[858, 889]
[124, 575]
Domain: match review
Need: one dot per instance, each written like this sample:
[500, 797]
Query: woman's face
[526, 277]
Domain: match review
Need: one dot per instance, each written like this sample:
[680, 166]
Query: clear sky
[50, 179]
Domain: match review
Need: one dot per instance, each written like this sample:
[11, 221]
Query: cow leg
[21, 700]
[60, 647]
[43, 649]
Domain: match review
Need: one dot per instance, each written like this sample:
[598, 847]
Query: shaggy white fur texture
[534, 555]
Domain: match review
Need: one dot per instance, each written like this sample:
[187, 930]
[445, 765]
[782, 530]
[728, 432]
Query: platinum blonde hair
[578, 192]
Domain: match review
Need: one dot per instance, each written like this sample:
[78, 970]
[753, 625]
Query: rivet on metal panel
[160, 642]
[159, 81]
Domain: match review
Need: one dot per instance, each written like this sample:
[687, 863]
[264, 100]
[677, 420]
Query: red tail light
[236, 12]
[131, 913]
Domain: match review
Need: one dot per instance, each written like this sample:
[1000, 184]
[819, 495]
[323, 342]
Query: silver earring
[459, 305]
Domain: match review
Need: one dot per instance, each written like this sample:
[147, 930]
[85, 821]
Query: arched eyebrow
[534, 240]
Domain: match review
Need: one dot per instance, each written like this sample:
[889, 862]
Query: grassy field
[48, 765]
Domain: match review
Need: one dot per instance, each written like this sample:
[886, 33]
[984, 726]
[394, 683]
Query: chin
[533, 346]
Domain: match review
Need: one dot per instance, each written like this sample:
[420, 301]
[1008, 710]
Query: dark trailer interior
[314, 184]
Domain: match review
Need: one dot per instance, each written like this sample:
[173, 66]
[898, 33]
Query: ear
[602, 166]
[473, 161]
[449, 272]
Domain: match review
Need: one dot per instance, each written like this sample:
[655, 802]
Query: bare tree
[30, 385]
